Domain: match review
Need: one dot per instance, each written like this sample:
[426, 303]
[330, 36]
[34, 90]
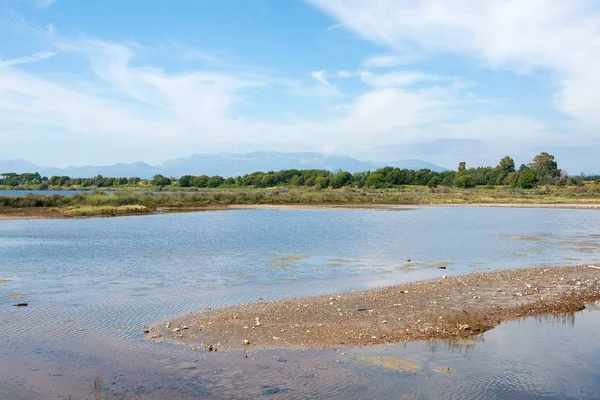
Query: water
[19, 193]
[91, 284]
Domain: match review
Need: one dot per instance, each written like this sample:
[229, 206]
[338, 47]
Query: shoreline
[446, 308]
[56, 213]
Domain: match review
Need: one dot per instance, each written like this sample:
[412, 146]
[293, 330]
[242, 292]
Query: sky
[100, 82]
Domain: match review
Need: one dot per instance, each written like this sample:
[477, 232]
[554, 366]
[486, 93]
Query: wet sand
[445, 308]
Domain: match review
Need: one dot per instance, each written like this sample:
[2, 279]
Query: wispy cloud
[42, 55]
[558, 36]
[321, 76]
[44, 3]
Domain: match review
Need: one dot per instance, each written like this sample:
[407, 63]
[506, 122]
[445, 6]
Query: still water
[19, 193]
[91, 284]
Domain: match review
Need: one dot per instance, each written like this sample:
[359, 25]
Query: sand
[446, 308]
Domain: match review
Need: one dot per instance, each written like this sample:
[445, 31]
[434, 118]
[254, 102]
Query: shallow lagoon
[92, 283]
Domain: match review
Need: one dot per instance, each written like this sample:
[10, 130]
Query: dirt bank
[437, 309]
[8, 213]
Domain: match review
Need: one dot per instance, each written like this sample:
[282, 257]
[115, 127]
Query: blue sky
[99, 82]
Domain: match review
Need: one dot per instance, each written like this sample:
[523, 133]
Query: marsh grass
[412, 195]
[109, 211]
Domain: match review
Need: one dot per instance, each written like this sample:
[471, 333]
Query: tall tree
[507, 165]
[544, 162]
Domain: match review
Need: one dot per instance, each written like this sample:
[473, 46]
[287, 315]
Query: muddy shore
[445, 308]
[11, 213]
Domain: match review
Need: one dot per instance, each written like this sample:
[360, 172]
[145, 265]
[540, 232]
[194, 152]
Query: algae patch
[396, 364]
[3, 281]
[15, 296]
[282, 266]
[288, 258]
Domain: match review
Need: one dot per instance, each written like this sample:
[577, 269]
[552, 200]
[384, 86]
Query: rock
[168, 325]
[146, 330]
[185, 327]
[528, 286]
[275, 338]
[464, 327]
[175, 330]
[246, 342]
[442, 267]
[384, 321]
[156, 335]
[257, 322]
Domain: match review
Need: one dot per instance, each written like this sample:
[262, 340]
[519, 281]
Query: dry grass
[105, 211]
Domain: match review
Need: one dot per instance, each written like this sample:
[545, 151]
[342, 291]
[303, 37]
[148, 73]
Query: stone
[246, 342]
[175, 330]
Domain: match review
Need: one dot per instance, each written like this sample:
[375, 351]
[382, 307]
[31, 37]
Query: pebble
[384, 321]
[176, 330]
[246, 342]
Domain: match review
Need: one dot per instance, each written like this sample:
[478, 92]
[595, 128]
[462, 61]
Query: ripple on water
[92, 285]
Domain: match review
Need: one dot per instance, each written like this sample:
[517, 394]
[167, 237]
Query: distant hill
[224, 164]
[17, 166]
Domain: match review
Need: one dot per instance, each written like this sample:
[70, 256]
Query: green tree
[527, 179]
[507, 165]
[375, 180]
[160, 181]
[462, 166]
[215, 181]
[341, 179]
[322, 182]
[201, 181]
[434, 182]
[465, 181]
[186, 181]
[545, 164]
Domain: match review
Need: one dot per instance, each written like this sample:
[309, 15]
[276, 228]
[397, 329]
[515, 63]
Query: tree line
[542, 170]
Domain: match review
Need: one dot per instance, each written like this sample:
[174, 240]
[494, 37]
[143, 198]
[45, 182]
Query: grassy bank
[132, 202]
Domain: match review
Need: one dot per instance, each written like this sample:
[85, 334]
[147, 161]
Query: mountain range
[224, 164]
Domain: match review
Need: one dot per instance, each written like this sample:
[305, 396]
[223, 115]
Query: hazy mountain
[224, 164]
[17, 166]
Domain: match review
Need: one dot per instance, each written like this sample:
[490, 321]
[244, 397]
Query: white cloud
[389, 60]
[321, 76]
[117, 97]
[558, 36]
[42, 55]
